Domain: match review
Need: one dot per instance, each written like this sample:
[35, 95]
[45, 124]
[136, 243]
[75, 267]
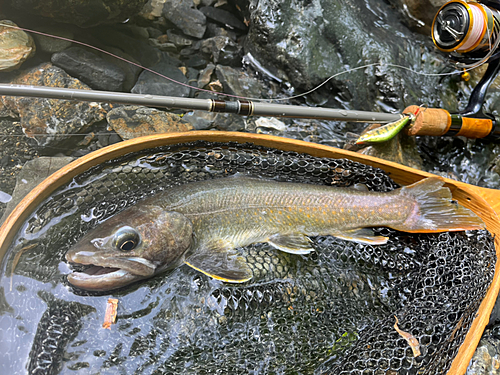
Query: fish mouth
[102, 273]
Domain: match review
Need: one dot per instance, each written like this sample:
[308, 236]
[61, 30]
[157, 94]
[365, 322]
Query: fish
[202, 224]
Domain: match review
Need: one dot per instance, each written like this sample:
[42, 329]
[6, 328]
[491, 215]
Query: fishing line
[382, 64]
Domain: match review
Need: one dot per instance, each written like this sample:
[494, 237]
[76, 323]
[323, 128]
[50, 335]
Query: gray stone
[237, 82]
[222, 50]
[206, 75]
[201, 120]
[182, 14]
[224, 17]
[96, 72]
[52, 45]
[120, 38]
[149, 83]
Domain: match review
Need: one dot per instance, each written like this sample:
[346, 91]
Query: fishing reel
[469, 31]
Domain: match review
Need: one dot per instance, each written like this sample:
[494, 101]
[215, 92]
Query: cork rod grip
[475, 127]
[428, 121]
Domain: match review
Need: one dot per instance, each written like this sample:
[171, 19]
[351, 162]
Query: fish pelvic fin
[362, 235]
[435, 210]
[291, 243]
[219, 261]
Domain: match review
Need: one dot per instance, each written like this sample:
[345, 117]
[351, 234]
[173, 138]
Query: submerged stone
[82, 13]
[132, 121]
[49, 120]
[32, 173]
[15, 46]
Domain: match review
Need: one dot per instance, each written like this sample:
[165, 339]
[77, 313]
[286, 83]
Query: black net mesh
[330, 312]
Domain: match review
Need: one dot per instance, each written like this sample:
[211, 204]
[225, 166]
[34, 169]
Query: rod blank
[242, 107]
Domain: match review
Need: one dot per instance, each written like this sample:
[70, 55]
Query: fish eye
[126, 239]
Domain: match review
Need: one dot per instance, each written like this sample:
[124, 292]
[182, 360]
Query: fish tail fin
[435, 210]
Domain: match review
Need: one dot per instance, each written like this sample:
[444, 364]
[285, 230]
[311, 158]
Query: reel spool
[467, 28]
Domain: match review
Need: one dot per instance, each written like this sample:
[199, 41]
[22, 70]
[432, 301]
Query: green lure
[386, 132]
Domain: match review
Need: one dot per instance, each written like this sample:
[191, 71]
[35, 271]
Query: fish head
[132, 245]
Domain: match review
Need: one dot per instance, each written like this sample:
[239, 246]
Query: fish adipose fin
[363, 235]
[291, 243]
[435, 210]
[219, 261]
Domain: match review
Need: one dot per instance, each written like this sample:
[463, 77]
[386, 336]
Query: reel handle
[439, 122]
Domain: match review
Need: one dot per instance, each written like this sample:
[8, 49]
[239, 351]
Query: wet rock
[53, 45]
[418, 14]
[206, 75]
[125, 40]
[131, 71]
[32, 173]
[82, 13]
[132, 122]
[149, 83]
[96, 72]
[15, 46]
[269, 123]
[223, 17]
[345, 35]
[166, 47]
[196, 61]
[222, 50]
[486, 357]
[152, 9]
[49, 120]
[230, 122]
[183, 15]
[201, 120]
[237, 82]
[179, 40]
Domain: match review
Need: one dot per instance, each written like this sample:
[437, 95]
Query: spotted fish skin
[200, 224]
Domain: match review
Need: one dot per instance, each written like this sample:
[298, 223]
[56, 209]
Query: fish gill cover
[333, 311]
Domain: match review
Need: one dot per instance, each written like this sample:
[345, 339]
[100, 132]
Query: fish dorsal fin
[362, 235]
[219, 261]
[295, 243]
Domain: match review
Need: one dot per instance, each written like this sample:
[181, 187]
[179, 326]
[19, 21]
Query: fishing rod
[240, 107]
[467, 31]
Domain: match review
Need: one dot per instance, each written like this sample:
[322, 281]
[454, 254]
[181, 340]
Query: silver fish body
[201, 223]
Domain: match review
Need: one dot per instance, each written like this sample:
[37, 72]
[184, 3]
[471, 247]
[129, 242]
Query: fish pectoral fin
[219, 261]
[291, 243]
[362, 235]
